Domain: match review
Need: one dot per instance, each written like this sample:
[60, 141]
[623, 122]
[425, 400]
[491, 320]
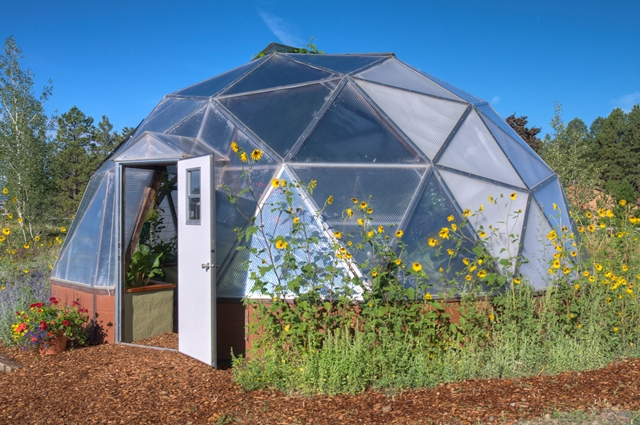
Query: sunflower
[234, 146]
[466, 213]
[296, 220]
[360, 222]
[244, 157]
[482, 273]
[6, 231]
[275, 183]
[330, 200]
[513, 196]
[5, 191]
[444, 233]
[280, 244]
[349, 212]
[416, 266]
[381, 229]
[432, 242]
[256, 154]
[399, 233]
[354, 200]
[338, 235]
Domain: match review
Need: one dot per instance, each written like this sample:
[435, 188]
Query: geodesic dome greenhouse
[365, 126]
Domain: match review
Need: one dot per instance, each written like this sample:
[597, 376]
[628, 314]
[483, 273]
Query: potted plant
[49, 326]
[148, 305]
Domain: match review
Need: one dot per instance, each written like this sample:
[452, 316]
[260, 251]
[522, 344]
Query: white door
[196, 259]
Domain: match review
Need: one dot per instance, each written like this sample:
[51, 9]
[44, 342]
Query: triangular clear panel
[168, 113]
[429, 217]
[453, 89]
[530, 167]
[215, 85]
[423, 119]
[79, 257]
[474, 150]
[163, 146]
[343, 64]
[394, 73]
[274, 223]
[218, 132]
[501, 220]
[537, 250]
[276, 72]
[551, 201]
[280, 116]
[351, 131]
[371, 185]
[189, 127]
[491, 114]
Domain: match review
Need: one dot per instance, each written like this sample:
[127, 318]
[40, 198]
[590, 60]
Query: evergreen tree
[529, 135]
[23, 141]
[75, 159]
[617, 138]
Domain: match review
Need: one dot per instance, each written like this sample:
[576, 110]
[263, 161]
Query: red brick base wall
[101, 304]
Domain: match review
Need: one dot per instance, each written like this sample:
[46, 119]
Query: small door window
[193, 196]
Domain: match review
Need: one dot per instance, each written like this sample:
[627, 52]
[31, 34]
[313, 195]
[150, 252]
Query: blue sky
[119, 58]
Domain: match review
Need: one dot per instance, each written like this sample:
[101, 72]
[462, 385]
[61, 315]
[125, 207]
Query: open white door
[196, 259]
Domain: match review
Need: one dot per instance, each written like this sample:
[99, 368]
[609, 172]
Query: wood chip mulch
[120, 384]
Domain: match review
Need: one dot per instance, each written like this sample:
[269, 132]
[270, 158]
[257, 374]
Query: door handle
[206, 266]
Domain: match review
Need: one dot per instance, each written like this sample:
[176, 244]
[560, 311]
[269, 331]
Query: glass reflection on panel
[193, 196]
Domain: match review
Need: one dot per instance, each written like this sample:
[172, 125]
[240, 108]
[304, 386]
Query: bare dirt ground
[120, 384]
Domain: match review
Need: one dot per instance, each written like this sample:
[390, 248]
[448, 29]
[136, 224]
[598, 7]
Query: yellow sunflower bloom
[296, 220]
[432, 242]
[369, 210]
[360, 222]
[399, 233]
[256, 154]
[513, 196]
[244, 157]
[234, 146]
[349, 212]
[275, 183]
[444, 233]
[280, 244]
[354, 200]
[451, 218]
[416, 266]
[5, 191]
[330, 200]
[363, 205]
[428, 297]
[381, 229]
[338, 235]
[6, 231]
[482, 273]
[623, 202]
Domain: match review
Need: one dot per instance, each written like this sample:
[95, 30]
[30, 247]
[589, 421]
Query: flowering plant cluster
[42, 322]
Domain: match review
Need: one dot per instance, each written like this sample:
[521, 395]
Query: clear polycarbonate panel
[273, 223]
[230, 216]
[491, 114]
[551, 200]
[190, 127]
[531, 169]
[453, 89]
[423, 119]
[215, 85]
[78, 259]
[218, 132]
[475, 151]
[430, 216]
[351, 131]
[237, 180]
[393, 73]
[234, 280]
[107, 254]
[280, 116]
[504, 215]
[155, 146]
[137, 180]
[169, 113]
[388, 191]
[338, 63]
[277, 71]
[537, 250]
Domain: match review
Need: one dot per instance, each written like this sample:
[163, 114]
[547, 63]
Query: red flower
[65, 322]
[53, 300]
[43, 325]
[84, 310]
[76, 303]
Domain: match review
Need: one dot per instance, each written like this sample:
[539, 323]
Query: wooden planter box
[148, 311]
